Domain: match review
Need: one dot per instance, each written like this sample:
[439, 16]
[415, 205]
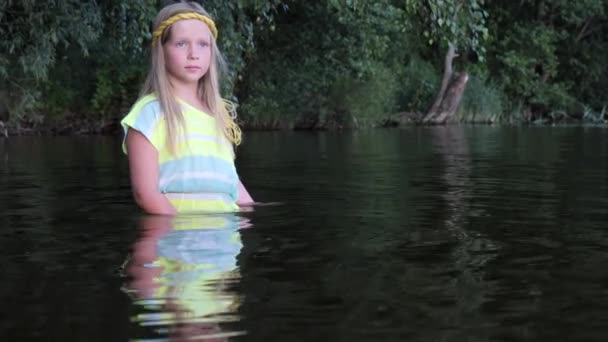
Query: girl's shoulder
[144, 115]
[147, 103]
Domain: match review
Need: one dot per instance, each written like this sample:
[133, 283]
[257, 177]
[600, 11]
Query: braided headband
[183, 16]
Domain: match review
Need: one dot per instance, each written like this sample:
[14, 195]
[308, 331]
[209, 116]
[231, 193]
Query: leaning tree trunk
[450, 94]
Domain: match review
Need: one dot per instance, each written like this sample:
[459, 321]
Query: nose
[193, 53]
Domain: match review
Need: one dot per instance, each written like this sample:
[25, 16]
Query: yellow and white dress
[200, 176]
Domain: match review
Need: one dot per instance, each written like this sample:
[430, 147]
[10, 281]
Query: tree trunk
[450, 93]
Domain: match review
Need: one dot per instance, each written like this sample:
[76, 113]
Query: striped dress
[201, 175]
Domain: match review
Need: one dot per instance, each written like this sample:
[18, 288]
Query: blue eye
[180, 44]
[204, 44]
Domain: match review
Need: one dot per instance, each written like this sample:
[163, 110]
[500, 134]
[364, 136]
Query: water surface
[419, 234]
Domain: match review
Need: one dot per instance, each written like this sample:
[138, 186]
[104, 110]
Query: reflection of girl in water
[180, 272]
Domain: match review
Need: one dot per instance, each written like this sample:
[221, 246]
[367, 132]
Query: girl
[180, 135]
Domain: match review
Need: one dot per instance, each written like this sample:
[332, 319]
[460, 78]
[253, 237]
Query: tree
[460, 26]
[89, 56]
[548, 54]
[31, 35]
[327, 64]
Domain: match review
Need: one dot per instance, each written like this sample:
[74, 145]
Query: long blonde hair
[157, 83]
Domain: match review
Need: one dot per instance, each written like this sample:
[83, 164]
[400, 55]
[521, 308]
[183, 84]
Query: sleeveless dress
[200, 177]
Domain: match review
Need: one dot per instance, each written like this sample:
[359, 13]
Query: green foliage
[238, 23]
[529, 63]
[67, 52]
[462, 23]
[364, 102]
[483, 102]
[418, 85]
[313, 64]
[105, 81]
[332, 72]
[31, 35]
[547, 54]
[269, 112]
[120, 61]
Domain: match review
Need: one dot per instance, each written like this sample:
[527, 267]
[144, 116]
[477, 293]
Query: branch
[582, 32]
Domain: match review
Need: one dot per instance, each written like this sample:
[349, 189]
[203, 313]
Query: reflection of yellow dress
[196, 259]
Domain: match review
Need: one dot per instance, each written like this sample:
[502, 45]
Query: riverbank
[112, 127]
[83, 126]
[73, 127]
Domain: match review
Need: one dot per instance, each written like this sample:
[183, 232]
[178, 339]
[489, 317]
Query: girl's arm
[143, 165]
[244, 197]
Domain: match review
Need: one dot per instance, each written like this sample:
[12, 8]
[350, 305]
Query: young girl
[180, 135]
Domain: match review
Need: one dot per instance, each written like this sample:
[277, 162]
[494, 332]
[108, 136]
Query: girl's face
[188, 51]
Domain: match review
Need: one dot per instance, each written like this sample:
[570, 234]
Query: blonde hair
[157, 83]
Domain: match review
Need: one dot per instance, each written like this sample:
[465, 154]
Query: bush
[418, 86]
[482, 102]
[364, 102]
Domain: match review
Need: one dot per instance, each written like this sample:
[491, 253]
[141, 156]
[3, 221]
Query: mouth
[192, 67]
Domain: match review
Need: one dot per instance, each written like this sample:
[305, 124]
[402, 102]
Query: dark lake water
[420, 234]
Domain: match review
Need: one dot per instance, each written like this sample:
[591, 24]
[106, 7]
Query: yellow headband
[182, 16]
